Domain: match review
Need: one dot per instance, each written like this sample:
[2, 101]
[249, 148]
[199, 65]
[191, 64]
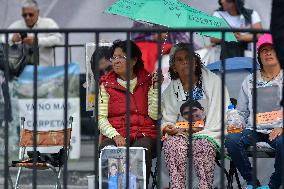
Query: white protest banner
[50, 116]
[50, 101]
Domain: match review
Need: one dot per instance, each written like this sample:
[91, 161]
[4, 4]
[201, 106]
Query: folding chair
[55, 161]
[229, 174]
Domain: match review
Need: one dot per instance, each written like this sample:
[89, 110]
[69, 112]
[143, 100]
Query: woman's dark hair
[99, 53]
[259, 61]
[241, 9]
[135, 52]
[196, 59]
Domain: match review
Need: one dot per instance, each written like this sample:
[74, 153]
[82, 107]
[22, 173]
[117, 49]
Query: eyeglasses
[118, 58]
[28, 15]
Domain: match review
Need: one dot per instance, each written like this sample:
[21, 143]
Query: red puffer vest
[140, 123]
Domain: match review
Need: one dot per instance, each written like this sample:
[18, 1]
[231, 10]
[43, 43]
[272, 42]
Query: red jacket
[140, 123]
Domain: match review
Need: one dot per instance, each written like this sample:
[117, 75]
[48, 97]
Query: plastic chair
[44, 161]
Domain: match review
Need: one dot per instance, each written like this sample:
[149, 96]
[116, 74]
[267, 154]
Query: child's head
[101, 58]
[197, 110]
[113, 169]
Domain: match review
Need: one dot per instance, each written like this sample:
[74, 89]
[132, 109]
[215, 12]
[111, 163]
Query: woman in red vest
[143, 102]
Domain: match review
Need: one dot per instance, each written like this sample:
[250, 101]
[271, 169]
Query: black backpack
[19, 55]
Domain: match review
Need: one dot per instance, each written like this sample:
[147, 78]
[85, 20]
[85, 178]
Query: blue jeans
[236, 144]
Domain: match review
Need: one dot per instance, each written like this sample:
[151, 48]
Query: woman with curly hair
[206, 140]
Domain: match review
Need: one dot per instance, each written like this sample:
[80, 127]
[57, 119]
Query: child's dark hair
[99, 53]
[190, 103]
[113, 165]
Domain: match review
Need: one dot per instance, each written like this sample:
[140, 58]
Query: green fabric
[170, 13]
[216, 145]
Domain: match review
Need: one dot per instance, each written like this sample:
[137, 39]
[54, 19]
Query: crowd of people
[199, 100]
[204, 101]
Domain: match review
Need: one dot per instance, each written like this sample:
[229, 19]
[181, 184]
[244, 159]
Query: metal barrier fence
[97, 33]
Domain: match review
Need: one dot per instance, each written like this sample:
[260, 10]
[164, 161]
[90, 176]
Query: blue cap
[231, 106]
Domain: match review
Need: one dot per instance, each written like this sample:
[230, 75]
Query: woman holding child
[206, 140]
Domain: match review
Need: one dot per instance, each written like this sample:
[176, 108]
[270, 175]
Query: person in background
[147, 42]
[101, 57]
[32, 20]
[237, 16]
[143, 103]
[269, 74]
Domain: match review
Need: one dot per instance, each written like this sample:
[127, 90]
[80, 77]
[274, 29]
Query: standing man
[32, 20]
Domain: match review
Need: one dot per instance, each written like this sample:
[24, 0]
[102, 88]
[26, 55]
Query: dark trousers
[236, 144]
[144, 142]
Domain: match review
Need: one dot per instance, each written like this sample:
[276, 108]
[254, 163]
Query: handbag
[18, 57]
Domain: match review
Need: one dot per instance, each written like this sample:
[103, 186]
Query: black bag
[233, 49]
[19, 55]
[55, 159]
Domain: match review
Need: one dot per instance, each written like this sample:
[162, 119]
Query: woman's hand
[155, 80]
[170, 130]
[119, 140]
[275, 133]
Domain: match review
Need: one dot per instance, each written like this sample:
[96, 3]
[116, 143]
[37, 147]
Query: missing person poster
[112, 173]
[50, 102]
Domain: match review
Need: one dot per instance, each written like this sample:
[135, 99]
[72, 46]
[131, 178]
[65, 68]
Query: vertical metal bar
[223, 74]
[70, 53]
[54, 55]
[95, 117]
[36, 62]
[254, 103]
[128, 108]
[65, 168]
[6, 114]
[158, 150]
[190, 92]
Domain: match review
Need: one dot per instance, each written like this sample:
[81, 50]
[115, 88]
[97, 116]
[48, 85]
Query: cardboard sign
[112, 168]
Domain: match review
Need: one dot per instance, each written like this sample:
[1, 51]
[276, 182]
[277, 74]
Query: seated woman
[206, 140]
[143, 103]
[269, 75]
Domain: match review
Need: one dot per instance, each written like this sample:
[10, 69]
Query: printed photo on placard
[113, 168]
[198, 115]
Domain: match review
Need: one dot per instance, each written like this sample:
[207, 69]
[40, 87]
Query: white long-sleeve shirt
[45, 40]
